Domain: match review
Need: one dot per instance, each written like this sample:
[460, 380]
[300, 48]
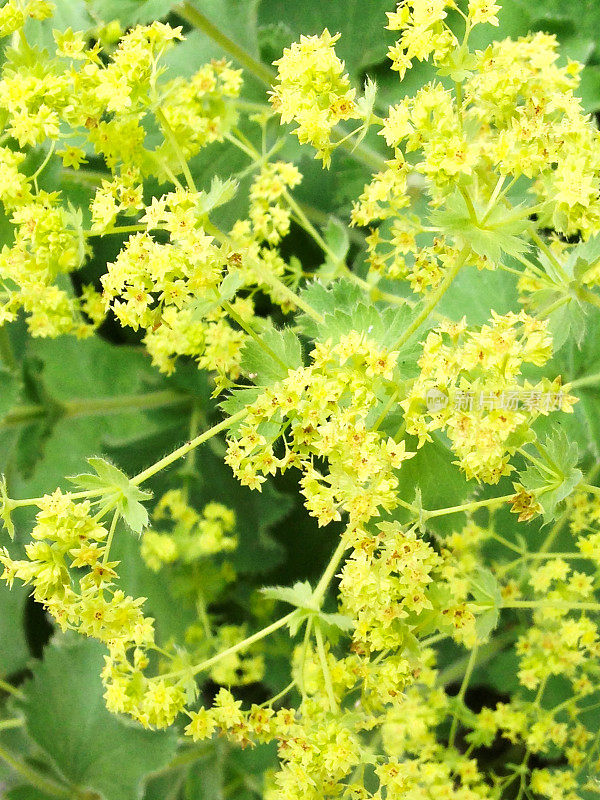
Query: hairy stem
[434, 298]
[97, 406]
[187, 447]
[249, 640]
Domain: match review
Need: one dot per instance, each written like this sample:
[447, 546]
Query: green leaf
[363, 41]
[338, 241]
[11, 386]
[14, 652]
[130, 12]
[497, 236]
[421, 475]
[366, 105]
[66, 716]
[486, 592]
[27, 793]
[118, 490]
[220, 192]
[80, 372]
[269, 362]
[474, 294]
[557, 476]
[589, 89]
[353, 312]
[239, 399]
[342, 295]
[301, 596]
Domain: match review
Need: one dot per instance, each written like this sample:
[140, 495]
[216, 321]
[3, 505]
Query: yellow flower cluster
[560, 645]
[516, 116]
[72, 578]
[194, 535]
[255, 239]
[152, 285]
[424, 33]
[197, 111]
[320, 412]
[385, 588]
[532, 125]
[47, 244]
[313, 91]
[96, 106]
[269, 215]
[469, 387]
[14, 14]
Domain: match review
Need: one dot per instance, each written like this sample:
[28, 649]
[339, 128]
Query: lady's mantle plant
[368, 375]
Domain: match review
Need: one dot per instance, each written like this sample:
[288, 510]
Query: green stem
[184, 759]
[461, 694]
[187, 447]
[360, 152]
[311, 230]
[587, 380]
[486, 652]
[441, 512]
[168, 131]
[320, 217]
[251, 153]
[325, 669]
[386, 409]
[305, 643]
[523, 213]
[10, 689]
[545, 312]
[549, 254]
[190, 14]
[552, 604]
[111, 534]
[97, 406]
[6, 351]
[330, 569]
[470, 207]
[249, 640]
[506, 543]
[536, 462]
[435, 298]
[36, 501]
[14, 722]
[279, 695]
[203, 614]
[273, 281]
[190, 461]
[34, 777]
[116, 229]
[254, 335]
[43, 165]
[493, 199]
